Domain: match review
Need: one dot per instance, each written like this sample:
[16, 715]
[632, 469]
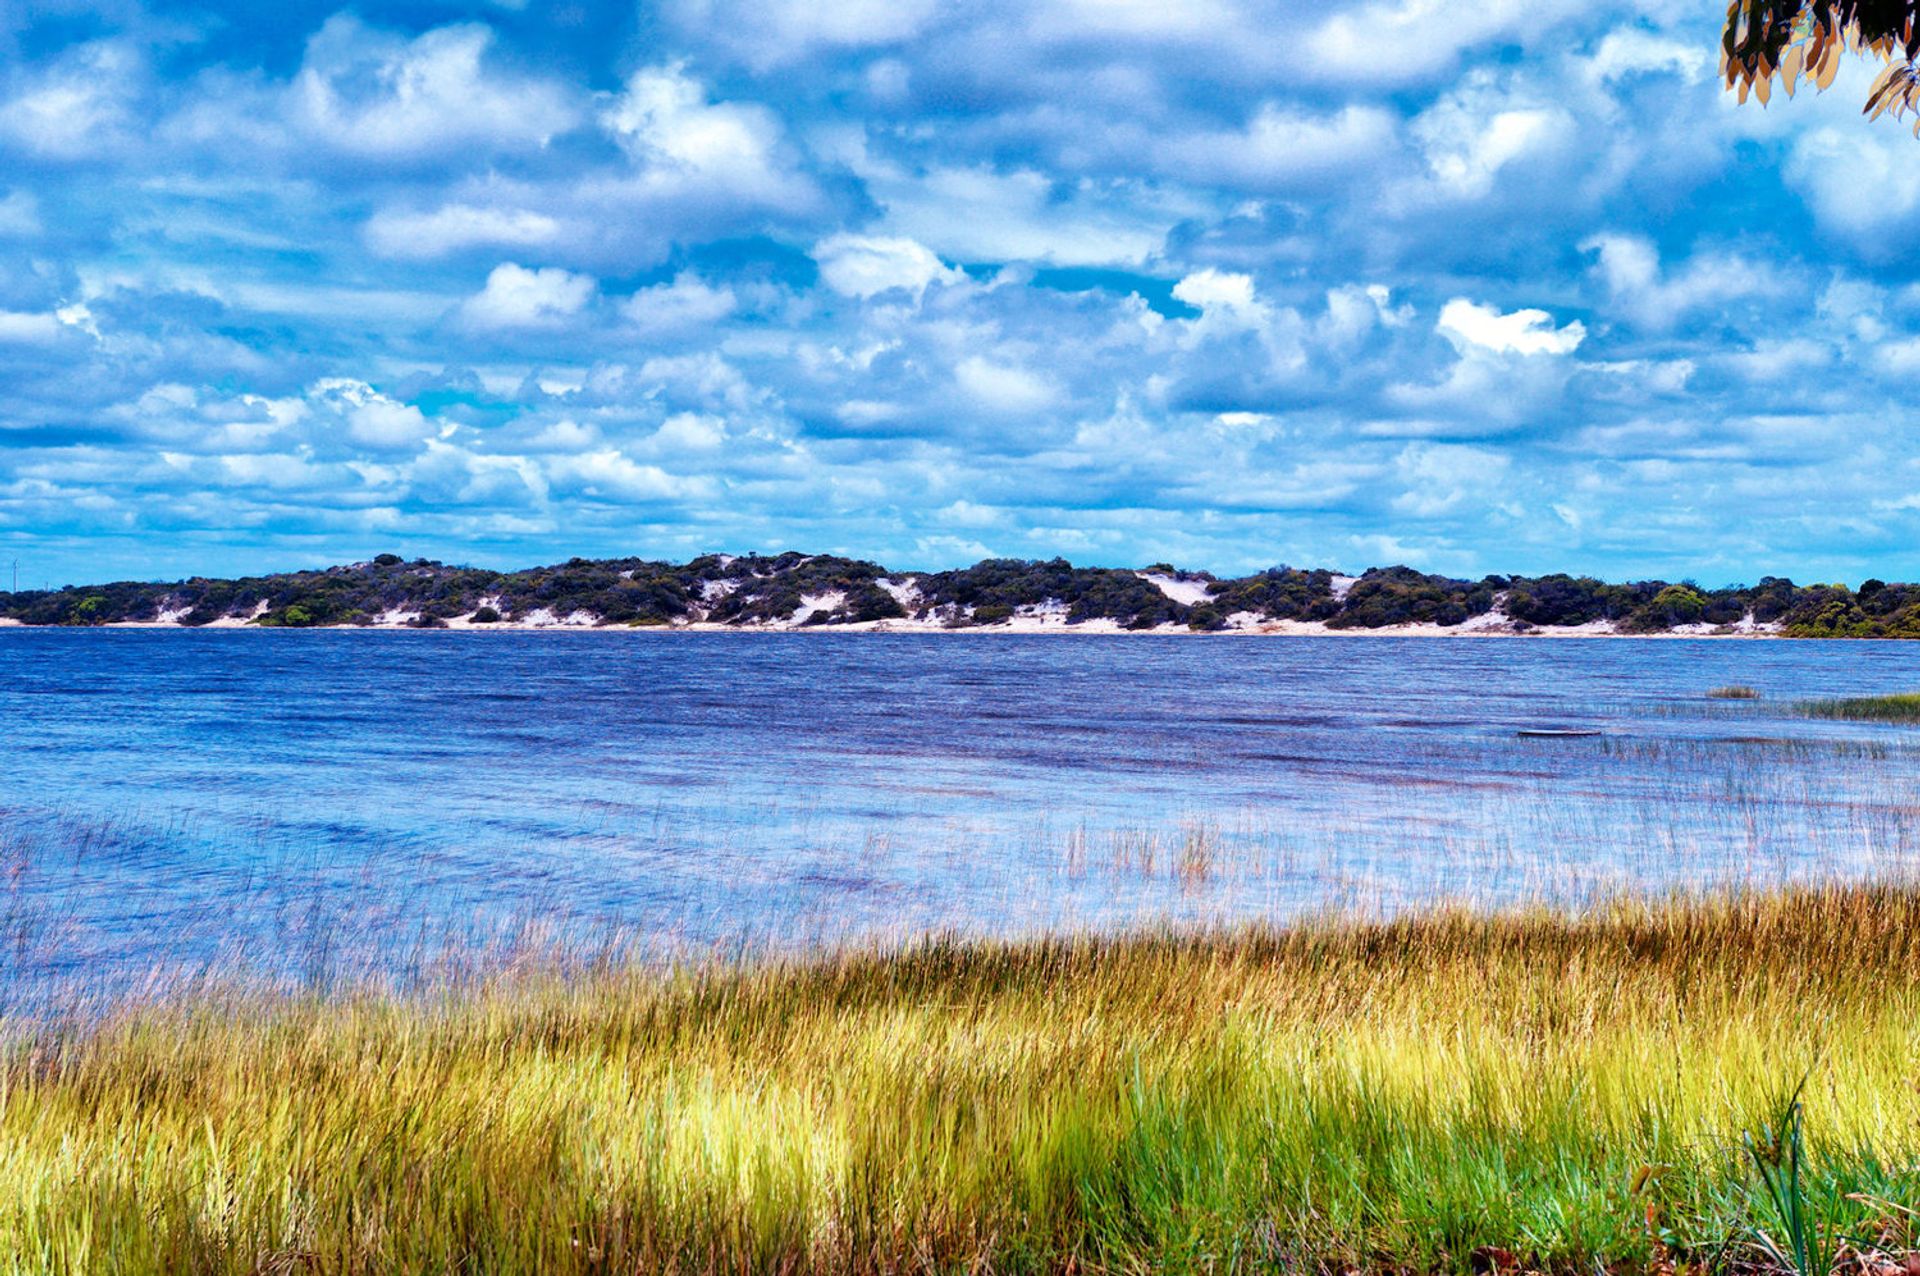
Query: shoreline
[1091, 628]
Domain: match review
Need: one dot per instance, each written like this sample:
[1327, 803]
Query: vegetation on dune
[1086, 593]
[829, 590]
[1608, 1092]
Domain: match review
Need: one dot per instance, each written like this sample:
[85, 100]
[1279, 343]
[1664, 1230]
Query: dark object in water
[1555, 733]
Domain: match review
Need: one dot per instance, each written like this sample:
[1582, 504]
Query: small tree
[1793, 40]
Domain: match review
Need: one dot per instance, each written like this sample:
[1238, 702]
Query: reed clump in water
[1449, 1091]
[1734, 691]
[1904, 707]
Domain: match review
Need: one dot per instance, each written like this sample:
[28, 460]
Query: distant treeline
[758, 589]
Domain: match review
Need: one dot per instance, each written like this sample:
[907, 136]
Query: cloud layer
[1510, 289]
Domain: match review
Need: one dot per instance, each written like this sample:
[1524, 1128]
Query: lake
[304, 804]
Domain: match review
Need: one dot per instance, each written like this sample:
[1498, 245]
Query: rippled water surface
[290, 799]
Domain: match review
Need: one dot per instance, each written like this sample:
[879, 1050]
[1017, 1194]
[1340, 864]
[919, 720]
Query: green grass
[1589, 1093]
[1896, 708]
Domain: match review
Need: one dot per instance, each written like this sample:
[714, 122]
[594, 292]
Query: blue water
[297, 802]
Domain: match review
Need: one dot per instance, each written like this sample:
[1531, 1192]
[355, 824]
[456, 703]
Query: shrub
[484, 615]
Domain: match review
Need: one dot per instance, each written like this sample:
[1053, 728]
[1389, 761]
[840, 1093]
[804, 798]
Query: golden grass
[1569, 1088]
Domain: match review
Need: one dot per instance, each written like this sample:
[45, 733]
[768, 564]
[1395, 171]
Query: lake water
[298, 803]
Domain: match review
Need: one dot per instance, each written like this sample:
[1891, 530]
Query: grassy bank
[1445, 1092]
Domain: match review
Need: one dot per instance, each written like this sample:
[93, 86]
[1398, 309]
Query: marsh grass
[1904, 707]
[1733, 691]
[1567, 1091]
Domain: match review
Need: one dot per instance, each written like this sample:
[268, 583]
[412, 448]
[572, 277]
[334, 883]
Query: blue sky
[1510, 286]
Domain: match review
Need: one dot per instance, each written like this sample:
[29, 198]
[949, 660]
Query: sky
[1506, 287]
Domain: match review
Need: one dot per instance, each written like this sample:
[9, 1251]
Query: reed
[1904, 707]
[1456, 1090]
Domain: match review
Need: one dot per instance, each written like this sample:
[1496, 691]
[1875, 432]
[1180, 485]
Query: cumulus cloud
[77, 106]
[768, 33]
[515, 297]
[1438, 478]
[378, 95]
[1471, 325]
[1002, 387]
[367, 417]
[978, 214]
[1284, 147]
[867, 265]
[1643, 292]
[1632, 51]
[665, 119]
[1472, 135]
[453, 228]
[1862, 184]
[688, 302]
[1401, 41]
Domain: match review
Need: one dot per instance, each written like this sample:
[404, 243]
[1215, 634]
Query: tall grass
[1577, 1092]
[1904, 707]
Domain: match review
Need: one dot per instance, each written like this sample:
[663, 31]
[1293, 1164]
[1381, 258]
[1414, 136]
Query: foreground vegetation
[1600, 1092]
[826, 590]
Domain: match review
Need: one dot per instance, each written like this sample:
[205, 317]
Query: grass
[1734, 691]
[1600, 1092]
[1904, 707]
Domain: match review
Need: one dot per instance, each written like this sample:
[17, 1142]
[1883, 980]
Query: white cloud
[373, 94]
[453, 227]
[1471, 325]
[868, 265]
[609, 473]
[1404, 41]
[1439, 477]
[1859, 181]
[1002, 387]
[27, 328]
[1637, 51]
[1212, 289]
[515, 297]
[369, 417]
[980, 215]
[665, 120]
[687, 302]
[1283, 148]
[19, 214]
[77, 106]
[774, 32]
[1629, 265]
[1471, 135]
[1902, 357]
[691, 432]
